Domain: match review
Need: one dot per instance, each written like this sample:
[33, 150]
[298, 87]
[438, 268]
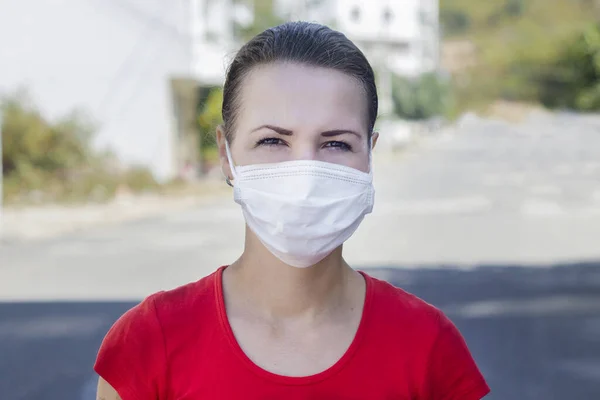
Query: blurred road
[473, 222]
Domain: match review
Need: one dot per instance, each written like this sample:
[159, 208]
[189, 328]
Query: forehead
[297, 96]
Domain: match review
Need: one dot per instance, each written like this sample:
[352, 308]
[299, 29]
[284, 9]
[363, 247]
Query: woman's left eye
[338, 145]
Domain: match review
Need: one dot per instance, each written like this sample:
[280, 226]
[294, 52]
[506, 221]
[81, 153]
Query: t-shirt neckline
[292, 380]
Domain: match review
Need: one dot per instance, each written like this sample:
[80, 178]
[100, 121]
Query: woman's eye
[338, 145]
[269, 142]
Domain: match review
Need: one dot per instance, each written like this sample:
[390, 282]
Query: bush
[519, 58]
[573, 81]
[210, 117]
[514, 8]
[53, 161]
[420, 98]
[264, 17]
[31, 144]
[454, 22]
[139, 179]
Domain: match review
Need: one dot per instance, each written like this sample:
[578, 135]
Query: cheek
[359, 160]
[269, 154]
[245, 152]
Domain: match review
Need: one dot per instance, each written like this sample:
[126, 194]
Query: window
[388, 15]
[400, 48]
[355, 14]
[425, 18]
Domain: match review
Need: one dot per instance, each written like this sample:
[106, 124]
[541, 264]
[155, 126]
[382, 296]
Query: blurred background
[487, 173]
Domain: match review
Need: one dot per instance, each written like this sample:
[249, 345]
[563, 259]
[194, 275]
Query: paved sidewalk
[48, 221]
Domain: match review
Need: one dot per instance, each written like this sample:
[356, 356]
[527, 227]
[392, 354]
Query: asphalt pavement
[534, 332]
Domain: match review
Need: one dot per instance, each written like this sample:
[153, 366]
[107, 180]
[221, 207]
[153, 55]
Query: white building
[398, 36]
[212, 34]
[124, 62]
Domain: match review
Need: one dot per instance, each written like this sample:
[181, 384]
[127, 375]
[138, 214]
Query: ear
[221, 140]
[374, 138]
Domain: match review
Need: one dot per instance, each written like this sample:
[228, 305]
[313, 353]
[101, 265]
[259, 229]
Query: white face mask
[302, 210]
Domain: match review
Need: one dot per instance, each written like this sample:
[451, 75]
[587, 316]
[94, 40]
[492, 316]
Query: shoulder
[443, 365]
[166, 307]
[177, 303]
[184, 312]
[403, 310]
[133, 355]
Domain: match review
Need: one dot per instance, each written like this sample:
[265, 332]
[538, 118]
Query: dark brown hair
[301, 42]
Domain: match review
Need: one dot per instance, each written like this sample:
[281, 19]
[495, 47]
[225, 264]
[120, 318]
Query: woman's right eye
[269, 142]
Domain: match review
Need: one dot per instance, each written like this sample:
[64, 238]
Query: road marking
[529, 307]
[51, 327]
[505, 179]
[546, 190]
[437, 206]
[541, 208]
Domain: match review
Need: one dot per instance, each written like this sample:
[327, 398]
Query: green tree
[210, 117]
[30, 142]
[454, 22]
[518, 58]
[420, 98]
[54, 160]
[264, 17]
[574, 79]
[514, 8]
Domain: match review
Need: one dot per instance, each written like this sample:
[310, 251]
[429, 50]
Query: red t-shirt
[178, 345]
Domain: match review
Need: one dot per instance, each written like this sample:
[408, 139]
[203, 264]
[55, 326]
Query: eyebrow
[338, 132]
[281, 131]
[287, 132]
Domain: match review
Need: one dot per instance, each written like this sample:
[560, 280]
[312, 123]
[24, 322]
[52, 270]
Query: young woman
[290, 319]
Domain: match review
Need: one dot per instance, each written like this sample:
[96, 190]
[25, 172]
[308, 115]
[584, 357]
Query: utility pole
[1, 181]
[385, 73]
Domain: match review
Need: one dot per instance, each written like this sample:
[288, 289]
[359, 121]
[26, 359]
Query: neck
[278, 290]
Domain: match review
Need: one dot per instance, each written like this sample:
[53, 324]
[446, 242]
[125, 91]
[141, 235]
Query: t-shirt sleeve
[452, 372]
[132, 357]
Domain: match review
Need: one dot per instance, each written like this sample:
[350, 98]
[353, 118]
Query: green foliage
[52, 161]
[527, 51]
[420, 98]
[454, 22]
[139, 179]
[573, 81]
[506, 12]
[264, 17]
[32, 144]
[514, 8]
[36, 153]
[209, 117]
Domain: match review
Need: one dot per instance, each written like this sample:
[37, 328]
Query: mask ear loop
[231, 166]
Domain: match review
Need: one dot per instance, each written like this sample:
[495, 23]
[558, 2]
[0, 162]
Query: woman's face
[295, 112]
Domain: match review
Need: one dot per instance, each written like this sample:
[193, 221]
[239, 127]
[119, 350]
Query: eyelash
[270, 141]
[335, 144]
